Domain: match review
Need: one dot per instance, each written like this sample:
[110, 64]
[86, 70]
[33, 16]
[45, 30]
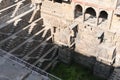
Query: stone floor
[11, 69]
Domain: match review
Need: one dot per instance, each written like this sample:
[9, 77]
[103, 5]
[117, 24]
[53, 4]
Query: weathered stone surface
[64, 55]
[95, 35]
[87, 61]
[13, 70]
[115, 75]
[102, 70]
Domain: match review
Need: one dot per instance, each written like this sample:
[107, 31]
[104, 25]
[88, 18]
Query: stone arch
[59, 1]
[78, 11]
[90, 14]
[103, 16]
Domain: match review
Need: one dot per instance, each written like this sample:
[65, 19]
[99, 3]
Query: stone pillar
[110, 17]
[83, 16]
[84, 9]
[105, 60]
[97, 17]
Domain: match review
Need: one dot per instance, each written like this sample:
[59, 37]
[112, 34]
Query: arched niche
[90, 15]
[78, 11]
[103, 16]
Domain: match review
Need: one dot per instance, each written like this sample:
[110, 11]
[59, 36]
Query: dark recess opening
[90, 13]
[78, 11]
[59, 1]
[103, 16]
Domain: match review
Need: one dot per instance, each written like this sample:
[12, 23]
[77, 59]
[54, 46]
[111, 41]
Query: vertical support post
[84, 9]
[110, 18]
[97, 17]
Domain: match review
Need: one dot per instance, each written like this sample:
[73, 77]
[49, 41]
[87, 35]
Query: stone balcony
[105, 3]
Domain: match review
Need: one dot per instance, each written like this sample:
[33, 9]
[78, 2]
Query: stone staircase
[7, 17]
[115, 75]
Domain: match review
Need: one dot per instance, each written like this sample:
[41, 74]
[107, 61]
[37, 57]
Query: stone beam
[27, 40]
[16, 18]
[42, 58]
[20, 30]
[10, 6]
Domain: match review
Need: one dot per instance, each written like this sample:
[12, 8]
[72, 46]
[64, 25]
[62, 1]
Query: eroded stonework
[43, 31]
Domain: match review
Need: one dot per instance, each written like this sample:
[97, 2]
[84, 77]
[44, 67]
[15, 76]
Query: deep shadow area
[73, 71]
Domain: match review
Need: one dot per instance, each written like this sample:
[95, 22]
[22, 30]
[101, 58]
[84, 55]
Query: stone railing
[105, 3]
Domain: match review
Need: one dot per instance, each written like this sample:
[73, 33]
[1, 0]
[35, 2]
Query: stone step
[115, 75]
[7, 17]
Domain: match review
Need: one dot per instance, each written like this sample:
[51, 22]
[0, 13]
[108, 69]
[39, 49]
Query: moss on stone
[73, 72]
